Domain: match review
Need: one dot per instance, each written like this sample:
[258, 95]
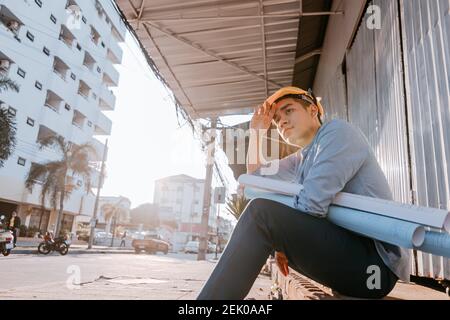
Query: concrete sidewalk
[298, 287]
[30, 245]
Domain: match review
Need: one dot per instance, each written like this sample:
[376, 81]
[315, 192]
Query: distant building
[180, 201]
[111, 208]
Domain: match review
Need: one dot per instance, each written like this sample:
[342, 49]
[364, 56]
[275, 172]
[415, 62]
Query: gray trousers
[316, 248]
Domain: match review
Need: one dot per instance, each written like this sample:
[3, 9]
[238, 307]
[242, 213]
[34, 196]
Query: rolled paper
[394, 231]
[432, 217]
[437, 243]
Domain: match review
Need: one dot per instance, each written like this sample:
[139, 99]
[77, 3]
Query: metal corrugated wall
[376, 101]
[407, 123]
[335, 98]
[426, 26]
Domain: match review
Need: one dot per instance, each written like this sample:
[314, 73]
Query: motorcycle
[60, 244]
[6, 238]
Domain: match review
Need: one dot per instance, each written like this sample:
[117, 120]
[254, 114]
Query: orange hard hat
[295, 91]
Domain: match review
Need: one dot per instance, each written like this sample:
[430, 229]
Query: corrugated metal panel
[362, 100]
[335, 98]
[375, 93]
[426, 26]
[393, 154]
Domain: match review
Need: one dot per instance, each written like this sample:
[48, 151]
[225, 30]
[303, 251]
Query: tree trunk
[60, 214]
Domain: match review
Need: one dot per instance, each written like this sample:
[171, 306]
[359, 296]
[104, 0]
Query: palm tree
[236, 205]
[75, 161]
[8, 84]
[7, 124]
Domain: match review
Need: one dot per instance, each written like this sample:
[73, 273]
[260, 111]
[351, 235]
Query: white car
[103, 234]
[191, 247]
[211, 247]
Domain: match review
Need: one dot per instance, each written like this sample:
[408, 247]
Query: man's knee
[258, 208]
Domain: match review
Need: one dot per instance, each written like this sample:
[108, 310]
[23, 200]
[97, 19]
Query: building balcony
[103, 126]
[68, 54]
[51, 118]
[116, 49]
[110, 74]
[79, 119]
[10, 22]
[107, 99]
[60, 68]
[62, 90]
[5, 64]
[78, 135]
[87, 107]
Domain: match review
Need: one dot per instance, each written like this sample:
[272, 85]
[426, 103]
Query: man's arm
[286, 168]
[341, 153]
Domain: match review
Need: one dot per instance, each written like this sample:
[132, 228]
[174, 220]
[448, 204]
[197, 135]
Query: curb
[73, 251]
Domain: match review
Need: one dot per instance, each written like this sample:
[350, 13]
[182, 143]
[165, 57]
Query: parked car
[191, 247]
[103, 234]
[211, 247]
[150, 245]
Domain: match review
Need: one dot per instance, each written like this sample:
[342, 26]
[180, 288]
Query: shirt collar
[305, 149]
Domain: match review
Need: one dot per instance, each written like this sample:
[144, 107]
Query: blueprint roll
[397, 232]
[437, 243]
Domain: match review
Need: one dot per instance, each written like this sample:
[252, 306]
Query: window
[21, 72]
[21, 161]
[79, 183]
[67, 107]
[103, 44]
[94, 96]
[72, 75]
[78, 47]
[38, 85]
[39, 3]
[30, 36]
[84, 19]
[46, 51]
[53, 19]
[30, 122]
[89, 123]
[12, 111]
[99, 70]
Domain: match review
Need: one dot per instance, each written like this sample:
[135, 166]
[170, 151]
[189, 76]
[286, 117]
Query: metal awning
[225, 57]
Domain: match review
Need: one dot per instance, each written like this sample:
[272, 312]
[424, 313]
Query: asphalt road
[109, 276]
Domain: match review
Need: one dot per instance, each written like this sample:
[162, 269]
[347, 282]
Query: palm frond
[8, 84]
[236, 205]
[54, 142]
[37, 171]
[7, 135]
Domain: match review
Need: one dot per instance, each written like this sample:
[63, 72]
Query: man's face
[14, 214]
[293, 121]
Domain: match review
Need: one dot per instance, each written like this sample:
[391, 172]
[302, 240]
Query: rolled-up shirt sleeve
[341, 152]
[285, 168]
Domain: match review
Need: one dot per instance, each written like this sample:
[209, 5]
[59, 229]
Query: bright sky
[146, 143]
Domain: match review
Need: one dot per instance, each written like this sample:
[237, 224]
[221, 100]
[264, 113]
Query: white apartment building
[62, 55]
[106, 213]
[180, 200]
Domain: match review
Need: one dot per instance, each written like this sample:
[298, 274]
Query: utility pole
[217, 231]
[114, 227]
[94, 216]
[203, 244]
